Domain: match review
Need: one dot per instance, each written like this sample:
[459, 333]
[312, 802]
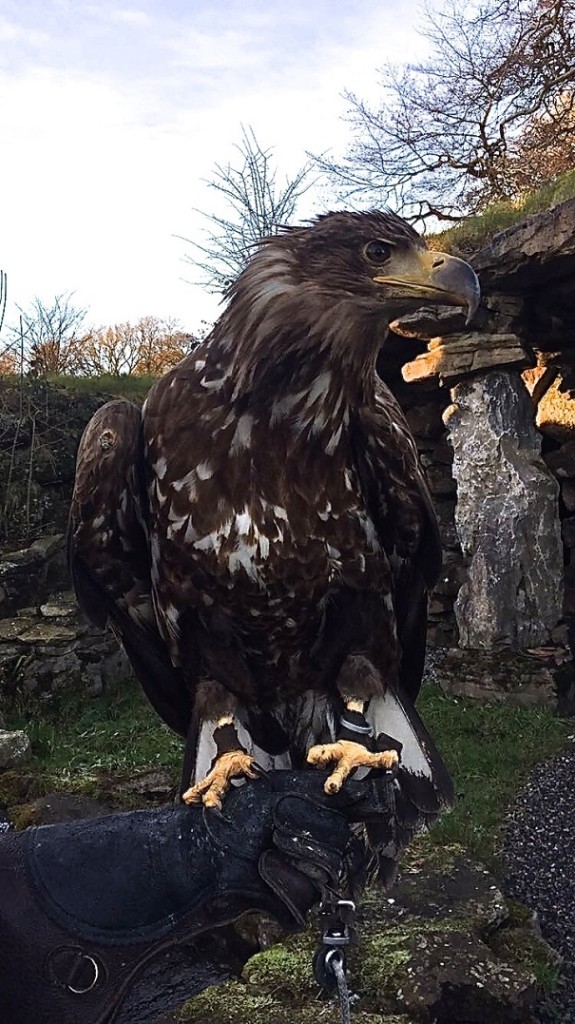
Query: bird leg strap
[231, 762]
[352, 750]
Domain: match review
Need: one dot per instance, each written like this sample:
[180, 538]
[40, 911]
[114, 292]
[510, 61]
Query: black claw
[217, 813]
[257, 768]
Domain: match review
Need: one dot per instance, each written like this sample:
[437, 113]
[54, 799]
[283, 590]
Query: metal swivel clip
[336, 919]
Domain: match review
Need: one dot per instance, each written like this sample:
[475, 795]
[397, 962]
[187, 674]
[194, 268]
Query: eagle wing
[109, 558]
[402, 511]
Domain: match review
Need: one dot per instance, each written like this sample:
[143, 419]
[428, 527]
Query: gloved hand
[92, 911]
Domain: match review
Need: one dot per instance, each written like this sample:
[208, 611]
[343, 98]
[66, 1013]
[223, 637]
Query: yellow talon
[211, 790]
[348, 755]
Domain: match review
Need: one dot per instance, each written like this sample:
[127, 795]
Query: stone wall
[505, 386]
[46, 646]
[40, 427]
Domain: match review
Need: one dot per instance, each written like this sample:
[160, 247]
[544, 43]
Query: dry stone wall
[506, 386]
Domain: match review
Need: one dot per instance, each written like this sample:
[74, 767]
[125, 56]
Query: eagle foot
[211, 790]
[348, 755]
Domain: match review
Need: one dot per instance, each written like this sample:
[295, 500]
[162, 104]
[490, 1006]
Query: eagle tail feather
[424, 783]
[421, 790]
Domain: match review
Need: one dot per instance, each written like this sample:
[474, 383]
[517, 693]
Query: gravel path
[540, 853]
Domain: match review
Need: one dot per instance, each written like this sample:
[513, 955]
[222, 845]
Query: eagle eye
[377, 251]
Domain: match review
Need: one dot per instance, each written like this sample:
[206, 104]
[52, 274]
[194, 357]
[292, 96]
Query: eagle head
[380, 258]
[332, 287]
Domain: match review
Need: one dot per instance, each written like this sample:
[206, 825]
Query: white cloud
[110, 134]
[131, 17]
[13, 31]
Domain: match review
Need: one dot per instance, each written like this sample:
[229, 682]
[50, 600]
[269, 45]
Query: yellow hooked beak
[432, 276]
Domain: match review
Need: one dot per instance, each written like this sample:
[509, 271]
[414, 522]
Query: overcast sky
[111, 114]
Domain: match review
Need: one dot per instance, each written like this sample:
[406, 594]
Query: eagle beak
[435, 276]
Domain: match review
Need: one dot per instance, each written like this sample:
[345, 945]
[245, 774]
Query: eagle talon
[348, 756]
[219, 814]
[211, 790]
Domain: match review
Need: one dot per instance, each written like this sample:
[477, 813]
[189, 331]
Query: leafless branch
[495, 96]
[258, 207]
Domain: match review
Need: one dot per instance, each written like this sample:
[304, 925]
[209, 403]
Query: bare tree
[258, 207]
[452, 134]
[162, 345]
[3, 296]
[150, 346]
[546, 149]
[50, 335]
[112, 350]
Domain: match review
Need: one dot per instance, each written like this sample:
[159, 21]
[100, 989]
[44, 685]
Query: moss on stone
[520, 916]
[284, 969]
[230, 1003]
[518, 943]
[18, 787]
[235, 1003]
[425, 853]
[377, 965]
[23, 815]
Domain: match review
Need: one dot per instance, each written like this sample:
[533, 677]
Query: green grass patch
[124, 386]
[490, 750]
[474, 232]
[74, 740]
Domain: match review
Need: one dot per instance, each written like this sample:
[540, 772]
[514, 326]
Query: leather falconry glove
[99, 917]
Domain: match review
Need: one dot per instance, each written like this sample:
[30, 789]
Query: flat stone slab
[28, 575]
[429, 322]
[464, 354]
[42, 652]
[527, 680]
[532, 253]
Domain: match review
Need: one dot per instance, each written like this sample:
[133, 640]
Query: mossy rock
[278, 984]
[443, 937]
[377, 967]
[20, 787]
[285, 970]
[22, 816]
[234, 1003]
[519, 942]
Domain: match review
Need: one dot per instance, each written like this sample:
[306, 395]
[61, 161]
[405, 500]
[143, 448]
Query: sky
[112, 116]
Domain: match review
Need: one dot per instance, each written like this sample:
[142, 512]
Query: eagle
[261, 538]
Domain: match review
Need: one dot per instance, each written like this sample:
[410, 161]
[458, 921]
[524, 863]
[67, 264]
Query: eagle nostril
[438, 263]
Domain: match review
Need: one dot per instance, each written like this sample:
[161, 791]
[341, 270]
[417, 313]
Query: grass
[474, 232]
[73, 740]
[489, 748]
[124, 386]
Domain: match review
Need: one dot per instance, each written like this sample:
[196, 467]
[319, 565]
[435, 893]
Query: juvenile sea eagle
[261, 538]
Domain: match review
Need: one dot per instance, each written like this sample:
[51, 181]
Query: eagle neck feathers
[281, 336]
